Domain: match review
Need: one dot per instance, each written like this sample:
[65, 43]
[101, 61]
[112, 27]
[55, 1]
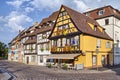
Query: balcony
[65, 31]
[65, 49]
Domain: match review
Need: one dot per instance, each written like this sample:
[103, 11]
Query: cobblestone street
[28, 72]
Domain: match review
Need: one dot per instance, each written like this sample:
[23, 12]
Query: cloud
[29, 9]
[16, 3]
[80, 5]
[16, 20]
[46, 4]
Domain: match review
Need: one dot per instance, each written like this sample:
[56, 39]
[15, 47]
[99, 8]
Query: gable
[64, 24]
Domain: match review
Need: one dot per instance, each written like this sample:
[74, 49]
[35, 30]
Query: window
[116, 36]
[103, 30]
[94, 60]
[95, 27]
[60, 27]
[59, 43]
[33, 46]
[62, 13]
[106, 21]
[87, 14]
[108, 45]
[33, 59]
[47, 46]
[100, 12]
[66, 26]
[68, 41]
[27, 46]
[41, 59]
[55, 42]
[63, 42]
[98, 43]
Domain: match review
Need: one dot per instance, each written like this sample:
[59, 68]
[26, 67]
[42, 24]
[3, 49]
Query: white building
[109, 18]
[30, 48]
[43, 44]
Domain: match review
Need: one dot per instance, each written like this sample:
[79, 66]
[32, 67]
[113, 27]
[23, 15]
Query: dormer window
[95, 27]
[100, 12]
[103, 31]
[50, 24]
[87, 14]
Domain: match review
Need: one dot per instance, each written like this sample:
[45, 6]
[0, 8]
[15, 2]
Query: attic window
[87, 14]
[63, 13]
[95, 27]
[103, 31]
[100, 12]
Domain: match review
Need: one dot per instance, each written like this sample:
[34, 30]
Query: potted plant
[42, 49]
[65, 66]
[31, 49]
[49, 65]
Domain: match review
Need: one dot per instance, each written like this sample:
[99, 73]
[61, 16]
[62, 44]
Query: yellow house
[78, 39]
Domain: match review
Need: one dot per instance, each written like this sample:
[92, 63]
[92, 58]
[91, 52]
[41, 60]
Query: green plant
[31, 49]
[42, 49]
[49, 65]
[65, 66]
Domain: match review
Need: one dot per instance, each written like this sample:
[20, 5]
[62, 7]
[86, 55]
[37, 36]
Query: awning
[62, 56]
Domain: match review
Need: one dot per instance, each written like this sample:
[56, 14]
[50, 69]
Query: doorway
[27, 60]
[108, 60]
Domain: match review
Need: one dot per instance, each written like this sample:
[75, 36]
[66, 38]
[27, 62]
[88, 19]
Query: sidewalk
[4, 75]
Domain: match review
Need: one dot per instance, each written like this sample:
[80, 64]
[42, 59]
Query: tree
[3, 50]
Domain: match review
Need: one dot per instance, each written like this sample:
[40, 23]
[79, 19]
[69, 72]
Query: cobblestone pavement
[30, 72]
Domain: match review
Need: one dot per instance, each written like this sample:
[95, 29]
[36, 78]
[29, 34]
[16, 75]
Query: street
[34, 72]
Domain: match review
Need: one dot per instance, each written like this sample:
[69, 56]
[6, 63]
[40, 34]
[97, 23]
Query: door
[103, 60]
[108, 60]
[27, 60]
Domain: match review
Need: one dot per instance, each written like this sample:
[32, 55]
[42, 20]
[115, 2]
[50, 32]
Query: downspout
[113, 42]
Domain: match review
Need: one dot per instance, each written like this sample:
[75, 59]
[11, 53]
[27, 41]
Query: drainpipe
[113, 42]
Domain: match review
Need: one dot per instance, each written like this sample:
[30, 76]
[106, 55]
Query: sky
[17, 15]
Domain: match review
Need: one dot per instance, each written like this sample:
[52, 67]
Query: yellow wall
[88, 46]
[62, 20]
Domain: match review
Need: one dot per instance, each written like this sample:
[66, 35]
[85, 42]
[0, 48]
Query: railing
[65, 49]
[64, 31]
[29, 51]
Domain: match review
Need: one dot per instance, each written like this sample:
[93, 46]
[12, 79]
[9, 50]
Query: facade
[22, 39]
[43, 44]
[75, 38]
[13, 52]
[109, 18]
[30, 48]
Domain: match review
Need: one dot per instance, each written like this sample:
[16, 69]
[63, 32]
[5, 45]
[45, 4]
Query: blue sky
[17, 15]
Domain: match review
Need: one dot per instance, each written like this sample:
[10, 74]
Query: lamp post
[97, 51]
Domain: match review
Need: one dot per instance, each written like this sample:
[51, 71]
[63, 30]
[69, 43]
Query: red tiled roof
[52, 17]
[80, 21]
[108, 11]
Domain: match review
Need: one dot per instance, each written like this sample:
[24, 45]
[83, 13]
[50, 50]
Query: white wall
[113, 30]
[108, 28]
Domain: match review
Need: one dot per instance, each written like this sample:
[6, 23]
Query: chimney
[19, 31]
[35, 23]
